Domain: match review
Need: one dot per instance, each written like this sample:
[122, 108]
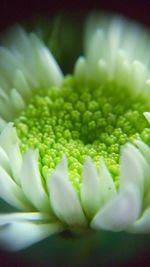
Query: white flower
[69, 194]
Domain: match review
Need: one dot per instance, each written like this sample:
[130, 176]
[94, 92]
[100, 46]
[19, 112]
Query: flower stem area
[98, 249]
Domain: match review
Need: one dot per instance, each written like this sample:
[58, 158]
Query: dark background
[16, 11]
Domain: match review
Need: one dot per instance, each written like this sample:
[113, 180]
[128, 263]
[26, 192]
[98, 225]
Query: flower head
[74, 150]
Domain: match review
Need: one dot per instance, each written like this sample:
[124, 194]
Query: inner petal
[81, 120]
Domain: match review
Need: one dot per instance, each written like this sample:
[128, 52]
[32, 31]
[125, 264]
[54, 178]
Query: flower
[74, 150]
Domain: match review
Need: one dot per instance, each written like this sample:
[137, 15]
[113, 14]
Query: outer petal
[144, 149]
[11, 192]
[132, 171]
[119, 212]
[97, 188]
[7, 64]
[21, 84]
[31, 181]
[8, 137]
[142, 225]
[147, 116]
[80, 69]
[19, 235]
[15, 161]
[108, 189]
[90, 190]
[64, 199]
[125, 208]
[4, 161]
[48, 72]
[17, 100]
[6, 218]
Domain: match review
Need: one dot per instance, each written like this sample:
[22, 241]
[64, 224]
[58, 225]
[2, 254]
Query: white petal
[6, 218]
[4, 161]
[103, 70]
[80, 69]
[64, 199]
[90, 190]
[19, 235]
[21, 84]
[132, 171]
[11, 192]
[120, 72]
[138, 76]
[145, 149]
[48, 68]
[125, 208]
[97, 187]
[96, 46]
[8, 63]
[8, 137]
[142, 225]
[6, 111]
[115, 32]
[120, 212]
[147, 116]
[17, 100]
[15, 161]
[108, 189]
[32, 183]
[22, 49]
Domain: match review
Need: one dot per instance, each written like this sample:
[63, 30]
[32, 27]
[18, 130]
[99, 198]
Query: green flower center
[81, 120]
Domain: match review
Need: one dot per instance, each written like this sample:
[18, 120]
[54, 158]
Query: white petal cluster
[50, 206]
[116, 50]
[26, 64]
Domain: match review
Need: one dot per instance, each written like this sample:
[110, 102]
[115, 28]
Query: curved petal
[21, 84]
[138, 76]
[17, 100]
[31, 181]
[90, 190]
[11, 192]
[97, 187]
[80, 69]
[145, 150]
[125, 208]
[8, 64]
[145, 161]
[63, 197]
[119, 212]
[19, 235]
[108, 190]
[147, 116]
[8, 137]
[6, 218]
[132, 168]
[4, 160]
[48, 70]
[15, 161]
[142, 225]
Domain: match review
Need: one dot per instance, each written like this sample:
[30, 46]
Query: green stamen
[79, 120]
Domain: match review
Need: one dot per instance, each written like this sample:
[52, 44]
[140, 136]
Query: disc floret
[81, 120]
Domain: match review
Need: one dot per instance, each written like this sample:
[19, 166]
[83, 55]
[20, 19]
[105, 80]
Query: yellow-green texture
[80, 120]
